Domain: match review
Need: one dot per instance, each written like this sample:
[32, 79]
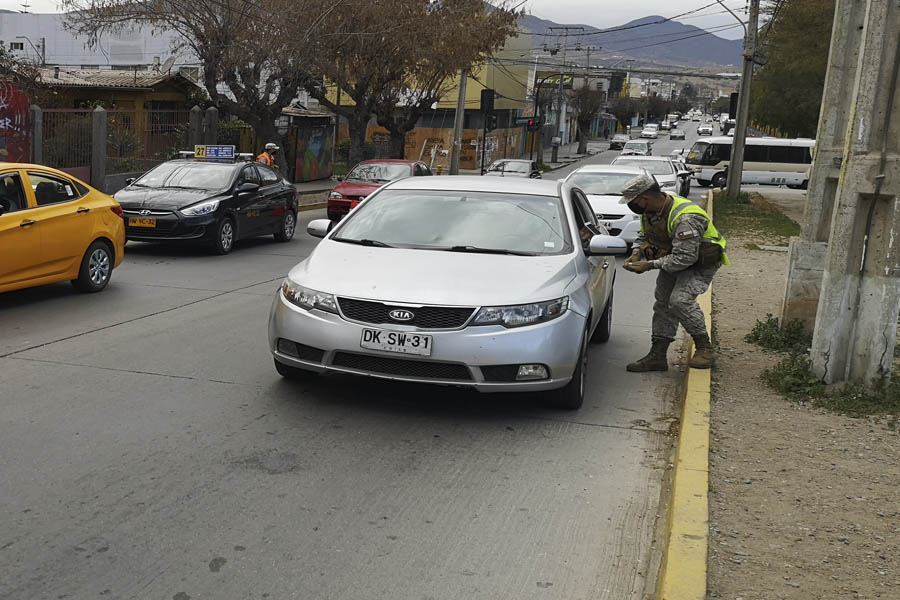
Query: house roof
[109, 79]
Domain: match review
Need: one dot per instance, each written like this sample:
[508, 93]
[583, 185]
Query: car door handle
[27, 222]
[83, 209]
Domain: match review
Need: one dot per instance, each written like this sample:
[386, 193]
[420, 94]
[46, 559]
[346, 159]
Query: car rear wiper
[477, 250]
[364, 242]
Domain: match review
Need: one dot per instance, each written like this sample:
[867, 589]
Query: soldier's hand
[640, 266]
[633, 258]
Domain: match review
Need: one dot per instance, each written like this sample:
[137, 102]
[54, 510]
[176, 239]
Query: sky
[598, 13]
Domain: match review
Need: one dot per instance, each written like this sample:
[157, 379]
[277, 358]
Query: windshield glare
[609, 184]
[510, 166]
[200, 176]
[636, 145]
[378, 172]
[655, 167]
[439, 220]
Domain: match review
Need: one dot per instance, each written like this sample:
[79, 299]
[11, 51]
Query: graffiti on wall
[15, 132]
[314, 147]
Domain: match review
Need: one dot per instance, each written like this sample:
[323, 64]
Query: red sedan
[365, 178]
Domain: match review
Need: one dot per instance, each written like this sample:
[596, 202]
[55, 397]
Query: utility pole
[736, 164]
[560, 105]
[458, 122]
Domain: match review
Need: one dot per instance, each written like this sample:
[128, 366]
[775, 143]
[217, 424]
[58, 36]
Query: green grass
[751, 214]
[769, 334]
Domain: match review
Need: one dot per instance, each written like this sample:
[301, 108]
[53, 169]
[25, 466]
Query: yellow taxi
[54, 227]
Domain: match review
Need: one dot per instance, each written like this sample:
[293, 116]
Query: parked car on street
[513, 168]
[618, 141]
[493, 284]
[365, 178]
[670, 178]
[54, 227]
[705, 129]
[603, 186]
[210, 201]
[637, 147]
[676, 134]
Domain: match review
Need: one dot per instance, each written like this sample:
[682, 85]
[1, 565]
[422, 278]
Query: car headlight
[307, 298]
[519, 315]
[204, 208]
[335, 195]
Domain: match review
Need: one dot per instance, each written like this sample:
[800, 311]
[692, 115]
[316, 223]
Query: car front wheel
[223, 241]
[571, 397]
[719, 180]
[288, 224]
[604, 327]
[96, 268]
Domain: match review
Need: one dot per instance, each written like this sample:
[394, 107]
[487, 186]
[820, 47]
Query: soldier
[678, 238]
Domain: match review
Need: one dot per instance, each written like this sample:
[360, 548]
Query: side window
[586, 221]
[249, 175]
[12, 194]
[421, 170]
[49, 189]
[267, 175]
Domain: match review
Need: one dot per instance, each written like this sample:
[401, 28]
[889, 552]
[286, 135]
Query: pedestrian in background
[679, 239]
[268, 156]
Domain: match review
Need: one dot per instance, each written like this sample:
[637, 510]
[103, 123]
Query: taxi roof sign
[207, 151]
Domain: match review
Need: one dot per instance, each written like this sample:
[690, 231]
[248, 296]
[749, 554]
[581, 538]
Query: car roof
[625, 169]
[643, 158]
[522, 160]
[475, 183]
[388, 161]
[638, 142]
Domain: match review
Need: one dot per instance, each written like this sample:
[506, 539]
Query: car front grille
[425, 317]
[418, 369]
[136, 212]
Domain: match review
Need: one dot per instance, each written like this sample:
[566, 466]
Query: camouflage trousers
[676, 302]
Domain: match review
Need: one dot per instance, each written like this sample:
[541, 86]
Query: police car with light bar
[211, 195]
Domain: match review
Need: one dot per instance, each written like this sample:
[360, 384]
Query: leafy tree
[787, 90]
[256, 56]
[624, 108]
[586, 103]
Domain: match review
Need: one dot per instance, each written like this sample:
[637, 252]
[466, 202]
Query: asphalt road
[148, 449]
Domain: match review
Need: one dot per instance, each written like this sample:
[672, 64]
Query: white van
[767, 161]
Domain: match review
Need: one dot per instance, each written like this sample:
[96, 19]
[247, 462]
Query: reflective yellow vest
[683, 206]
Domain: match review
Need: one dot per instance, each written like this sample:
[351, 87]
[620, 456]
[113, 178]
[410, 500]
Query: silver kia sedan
[491, 283]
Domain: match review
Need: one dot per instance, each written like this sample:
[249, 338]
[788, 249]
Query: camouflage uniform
[680, 279]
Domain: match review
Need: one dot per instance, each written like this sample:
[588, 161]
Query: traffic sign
[204, 151]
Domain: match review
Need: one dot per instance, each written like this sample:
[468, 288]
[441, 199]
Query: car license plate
[141, 222]
[396, 341]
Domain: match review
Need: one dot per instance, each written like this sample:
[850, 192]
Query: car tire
[719, 180]
[604, 327]
[703, 182]
[288, 225]
[571, 396]
[223, 242]
[293, 373]
[96, 268]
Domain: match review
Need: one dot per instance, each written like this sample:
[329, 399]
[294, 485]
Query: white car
[705, 129]
[603, 186]
[648, 132]
[670, 178]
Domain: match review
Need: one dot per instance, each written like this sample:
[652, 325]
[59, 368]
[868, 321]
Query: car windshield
[510, 166]
[676, 132]
[378, 172]
[621, 136]
[197, 175]
[609, 184]
[636, 145]
[469, 221]
[656, 167]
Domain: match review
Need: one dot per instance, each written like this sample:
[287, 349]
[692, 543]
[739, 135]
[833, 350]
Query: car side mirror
[340, 177]
[685, 173]
[247, 186]
[319, 227]
[130, 180]
[607, 245]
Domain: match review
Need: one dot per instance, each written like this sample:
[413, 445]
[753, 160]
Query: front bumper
[626, 227]
[331, 343]
[170, 226]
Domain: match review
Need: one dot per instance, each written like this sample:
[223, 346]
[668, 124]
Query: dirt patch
[804, 504]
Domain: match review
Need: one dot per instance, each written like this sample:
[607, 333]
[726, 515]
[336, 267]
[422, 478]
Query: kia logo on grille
[144, 212]
[402, 315]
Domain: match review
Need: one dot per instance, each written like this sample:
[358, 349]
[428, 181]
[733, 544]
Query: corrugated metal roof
[141, 80]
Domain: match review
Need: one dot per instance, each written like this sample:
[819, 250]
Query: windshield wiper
[364, 242]
[478, 250]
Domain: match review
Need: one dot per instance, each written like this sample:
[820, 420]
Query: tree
[624, 108]
[255, 55]
[586, 102]
[461, 34]
[787, 90]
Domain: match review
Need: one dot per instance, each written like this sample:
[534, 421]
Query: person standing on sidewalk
[679, 239]
[268, 156]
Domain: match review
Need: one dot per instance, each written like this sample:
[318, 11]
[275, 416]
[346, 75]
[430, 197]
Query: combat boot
[655, 359]
[704, 356]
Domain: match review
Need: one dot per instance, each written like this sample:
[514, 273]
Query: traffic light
[535, 123]
[487, 101]
[490, 122]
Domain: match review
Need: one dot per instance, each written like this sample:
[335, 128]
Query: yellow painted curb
[683, 570]
[314, 206]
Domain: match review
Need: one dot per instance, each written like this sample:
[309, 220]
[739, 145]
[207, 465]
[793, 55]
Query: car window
[587, 221]
[267, 175]
[456, 220]
[654, 167]
[249, 175]
[12, 194]
[51, 190]
[601, 184]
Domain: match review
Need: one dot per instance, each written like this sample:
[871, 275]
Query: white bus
[767, 161]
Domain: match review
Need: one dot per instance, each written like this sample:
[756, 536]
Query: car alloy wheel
[96, 268]
[226, 235]
[288, 227]
[99, 266]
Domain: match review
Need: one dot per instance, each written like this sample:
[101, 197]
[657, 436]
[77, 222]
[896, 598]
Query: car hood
[355, 188]
[608, 205]
[433, 277]
[165, 198]
[505, 174]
